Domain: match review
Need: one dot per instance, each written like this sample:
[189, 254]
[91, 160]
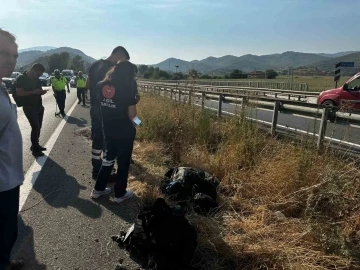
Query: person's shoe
[16, 265]
[37, 153]
[128, 195]
[96, 194]
[63, 114]
[79, 102]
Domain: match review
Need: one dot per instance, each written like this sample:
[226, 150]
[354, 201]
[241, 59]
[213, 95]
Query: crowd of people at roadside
[113, 99]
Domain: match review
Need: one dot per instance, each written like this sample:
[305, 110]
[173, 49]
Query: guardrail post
[190, 96]
[171, 93]
[179, 96]
[202, 100]
[275, 118]
[322, 129]
[221, 98]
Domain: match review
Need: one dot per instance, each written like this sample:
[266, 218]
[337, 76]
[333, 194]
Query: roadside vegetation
[283, 206]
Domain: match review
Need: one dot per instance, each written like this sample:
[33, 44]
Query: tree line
[154, 73]
[61, 61]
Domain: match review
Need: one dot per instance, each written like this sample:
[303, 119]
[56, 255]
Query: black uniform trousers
[81, 94]
[60, 96]
[97, 137]
[120, 150]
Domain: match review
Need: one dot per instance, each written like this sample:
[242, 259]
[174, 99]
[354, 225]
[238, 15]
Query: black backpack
[161, 236]
[18, 100]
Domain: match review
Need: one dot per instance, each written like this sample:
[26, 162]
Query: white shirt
[11, 146]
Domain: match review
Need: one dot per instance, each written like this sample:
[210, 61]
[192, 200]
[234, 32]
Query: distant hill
[329, 64]
[247, 62]
[28, 57]
[38, 48]
[339, 54]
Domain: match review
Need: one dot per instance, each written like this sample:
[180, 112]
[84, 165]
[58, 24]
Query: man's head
[57, 73]
[8, 53]
[80, 73]
[37, 70]
[119, 54]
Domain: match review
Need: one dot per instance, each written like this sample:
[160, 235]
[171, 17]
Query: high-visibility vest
[80, 82]
[59, 84]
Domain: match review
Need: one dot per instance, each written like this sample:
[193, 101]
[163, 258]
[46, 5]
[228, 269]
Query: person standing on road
[28, 86]
[81, 87]
[118, 108]
[58, 85]
[11, 157]
[96, 73]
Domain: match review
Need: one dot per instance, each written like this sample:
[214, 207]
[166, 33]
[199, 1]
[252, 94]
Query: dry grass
[282, 205]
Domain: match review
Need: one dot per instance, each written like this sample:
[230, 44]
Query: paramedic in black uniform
[118, 108]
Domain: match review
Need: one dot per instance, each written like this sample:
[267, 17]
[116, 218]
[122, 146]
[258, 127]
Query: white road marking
[305, 116]
[35, 169]
[355, 126]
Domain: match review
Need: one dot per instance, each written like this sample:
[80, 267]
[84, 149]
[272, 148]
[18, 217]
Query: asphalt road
[60, 226]
[340, 130]
[50, 123]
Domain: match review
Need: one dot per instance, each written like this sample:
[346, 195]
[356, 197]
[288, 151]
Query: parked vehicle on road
[68, 74]
[8, 81]
[72, 82]
[342, 96]
[45, 79]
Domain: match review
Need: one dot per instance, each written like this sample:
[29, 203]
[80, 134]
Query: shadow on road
[75, 121]
[61, 190]
[25, 247]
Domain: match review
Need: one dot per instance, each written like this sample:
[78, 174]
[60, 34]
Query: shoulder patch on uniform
[108, 91]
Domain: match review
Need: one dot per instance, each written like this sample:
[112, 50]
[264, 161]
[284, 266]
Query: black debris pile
[161, 238]
[198, 186]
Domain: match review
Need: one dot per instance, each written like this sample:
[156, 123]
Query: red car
[338, 96]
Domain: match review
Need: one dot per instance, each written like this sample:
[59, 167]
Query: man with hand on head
[97, 72]
[28, 87]
[11, 157]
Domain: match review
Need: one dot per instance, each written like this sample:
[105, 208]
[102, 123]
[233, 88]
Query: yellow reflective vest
[59, 84]
[80, 82]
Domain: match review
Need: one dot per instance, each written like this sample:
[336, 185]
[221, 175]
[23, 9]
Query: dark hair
[38, 67]
[122, 50]
[122, 73]
[7, 35]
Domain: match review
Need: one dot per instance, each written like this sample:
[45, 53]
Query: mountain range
[28, 57]
[251, 62]
[218, 65]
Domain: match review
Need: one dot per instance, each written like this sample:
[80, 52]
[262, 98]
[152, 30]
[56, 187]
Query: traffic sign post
[338, 66]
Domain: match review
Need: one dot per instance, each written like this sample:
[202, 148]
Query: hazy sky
[153, 30]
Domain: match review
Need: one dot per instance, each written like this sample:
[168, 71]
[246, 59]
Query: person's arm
[52, 86]
[132, 112]
[22, 93]
[88, 82]
[67, 85]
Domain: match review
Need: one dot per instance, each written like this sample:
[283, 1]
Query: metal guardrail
[231, 89]
[244, 83]
[244, 100]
